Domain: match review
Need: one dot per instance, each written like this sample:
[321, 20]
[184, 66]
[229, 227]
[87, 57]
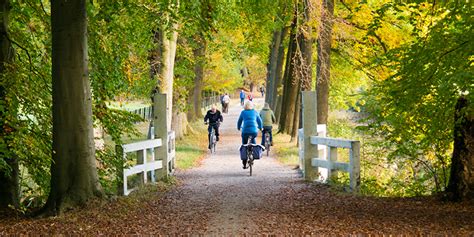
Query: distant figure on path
[242, 97]
[225, 103]
[250, 122]
[250, 96]
[262, 90]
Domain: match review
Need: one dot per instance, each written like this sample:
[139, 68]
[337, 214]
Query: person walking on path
[225, 103]
[268, 118]
[250, 123]
[242, 97]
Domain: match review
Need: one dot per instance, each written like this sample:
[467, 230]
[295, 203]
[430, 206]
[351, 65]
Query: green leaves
[414, 108]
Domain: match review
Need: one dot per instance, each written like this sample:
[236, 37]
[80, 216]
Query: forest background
[387, 73]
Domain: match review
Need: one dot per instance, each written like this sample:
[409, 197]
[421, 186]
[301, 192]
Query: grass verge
[191, 149]
[286, 152]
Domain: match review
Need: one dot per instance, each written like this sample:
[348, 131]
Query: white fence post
[142, 167]
[313, 135]
[354, 166]
[309, 129]
[332, 156]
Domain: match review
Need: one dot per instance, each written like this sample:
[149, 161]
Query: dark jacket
[213, 117]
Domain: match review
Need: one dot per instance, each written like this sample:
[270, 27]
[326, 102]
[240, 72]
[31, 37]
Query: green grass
[191, 149]
[128, 105]
[130, 138]
[286, 151]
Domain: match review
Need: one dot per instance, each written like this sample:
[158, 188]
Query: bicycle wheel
[212, 141]
[267, 143]
[250, 161]
[213, 146]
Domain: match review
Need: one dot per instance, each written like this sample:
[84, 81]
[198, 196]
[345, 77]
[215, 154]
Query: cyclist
[215, 117]
[250, 96]
[250, 122]
[242, 97]
[268, 118]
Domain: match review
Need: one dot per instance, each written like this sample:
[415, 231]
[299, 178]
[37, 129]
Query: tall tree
[412, 108]
[9, 173]
[278, 74]
[272, 67]
[461, 182]
[199, 18]
[167, 44]
[163, 56]
[199, 53]
[285, 100]
[299, 76]
[323, 65]
[74, 177]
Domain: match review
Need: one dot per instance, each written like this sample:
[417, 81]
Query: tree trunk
[167, 73]
[276, 93]
[324, 60]
[272, 66]
[180, 125]
[291, 93]
[74, 178]
[461, 183]
[9, 176]
[296, 121]
[303, 65]
[285, 99]
[162, 65]
[195, 98]
[245, 74]
[300, 74]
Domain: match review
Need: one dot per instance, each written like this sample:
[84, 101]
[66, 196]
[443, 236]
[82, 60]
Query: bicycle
[250, 153]
[212, 139]
[250, 157]
[267, 142]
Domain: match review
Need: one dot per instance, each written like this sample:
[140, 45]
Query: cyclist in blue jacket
[250, 122]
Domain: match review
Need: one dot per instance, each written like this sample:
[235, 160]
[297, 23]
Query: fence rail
[208, 101]
[327, 163]
[145, 112]
[146, 160]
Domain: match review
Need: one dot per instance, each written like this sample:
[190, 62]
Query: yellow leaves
[364, 16]
[257, 70]
[221, 74]
[131, 66]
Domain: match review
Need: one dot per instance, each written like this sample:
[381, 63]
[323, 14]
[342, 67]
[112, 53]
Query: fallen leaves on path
[302, 209]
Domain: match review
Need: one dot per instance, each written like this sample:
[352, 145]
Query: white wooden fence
[318, 153]
[321, 128]
[146, 160]
[327, 163]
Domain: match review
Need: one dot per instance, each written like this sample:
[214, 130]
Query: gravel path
[235, 193]
[276, 201]
[219, 198]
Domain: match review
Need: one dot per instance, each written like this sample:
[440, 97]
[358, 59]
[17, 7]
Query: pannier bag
[257, 151]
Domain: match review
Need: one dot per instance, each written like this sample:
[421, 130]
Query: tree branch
[453, 49]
